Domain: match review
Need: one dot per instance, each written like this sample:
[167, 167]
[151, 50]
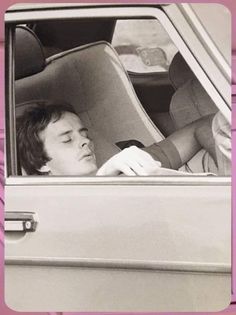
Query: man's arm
[222, 135]
[131, 161]
[172, 152]
[178, 148]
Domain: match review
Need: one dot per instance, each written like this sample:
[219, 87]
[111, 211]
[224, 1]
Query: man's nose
[84, 142]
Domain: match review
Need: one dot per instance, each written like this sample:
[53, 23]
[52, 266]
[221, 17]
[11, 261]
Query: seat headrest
[29, 57]
[179, 71]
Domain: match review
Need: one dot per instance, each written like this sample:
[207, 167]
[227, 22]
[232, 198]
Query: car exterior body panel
[123, 244]
[130, 241]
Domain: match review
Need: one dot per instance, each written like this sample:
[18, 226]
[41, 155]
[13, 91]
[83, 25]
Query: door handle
[20, 221]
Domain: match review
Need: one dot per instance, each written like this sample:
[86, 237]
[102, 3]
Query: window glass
[143, 45]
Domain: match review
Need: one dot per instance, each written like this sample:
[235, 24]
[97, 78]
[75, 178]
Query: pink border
[231, 4]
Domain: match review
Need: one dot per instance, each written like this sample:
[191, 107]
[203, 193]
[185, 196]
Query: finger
[144, 158]
[125, 169]
[140, 161]
[148, 168]
[153, 168]
[137, 168]
[147, 162]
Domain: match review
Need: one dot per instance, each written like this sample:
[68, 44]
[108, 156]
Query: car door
[113, 244]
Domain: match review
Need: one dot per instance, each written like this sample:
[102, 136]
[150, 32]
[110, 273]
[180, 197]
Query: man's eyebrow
[64, 133]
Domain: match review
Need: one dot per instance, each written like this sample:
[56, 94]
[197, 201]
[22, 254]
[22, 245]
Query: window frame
[13, 18]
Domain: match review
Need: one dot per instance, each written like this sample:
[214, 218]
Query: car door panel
[101, 290]
[105, 238]
[100, 219]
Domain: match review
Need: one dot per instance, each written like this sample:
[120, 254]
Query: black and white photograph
[118, 157]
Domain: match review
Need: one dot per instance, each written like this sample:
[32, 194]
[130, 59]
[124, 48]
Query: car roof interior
[57, 36]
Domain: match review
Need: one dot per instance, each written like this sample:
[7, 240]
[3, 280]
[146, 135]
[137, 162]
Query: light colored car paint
[150, 239]
[121, 244]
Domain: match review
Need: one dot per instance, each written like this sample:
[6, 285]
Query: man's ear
[44, 169]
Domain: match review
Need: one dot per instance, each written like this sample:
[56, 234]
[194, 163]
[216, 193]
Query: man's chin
[89, 170]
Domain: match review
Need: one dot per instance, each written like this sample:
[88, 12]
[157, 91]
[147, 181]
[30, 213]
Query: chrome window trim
[122, 181]
[31, 6]
[10, 165]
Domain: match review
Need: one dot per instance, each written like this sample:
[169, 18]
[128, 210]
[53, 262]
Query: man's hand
[131, 161]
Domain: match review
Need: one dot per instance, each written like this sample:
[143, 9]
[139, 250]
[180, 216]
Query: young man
[52, 140]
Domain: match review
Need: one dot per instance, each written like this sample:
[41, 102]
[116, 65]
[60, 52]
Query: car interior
[64, 35]
[60, 61]
[80, 77]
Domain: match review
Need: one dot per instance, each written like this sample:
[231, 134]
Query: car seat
[190, 100]
[189, 103]
[90, 78]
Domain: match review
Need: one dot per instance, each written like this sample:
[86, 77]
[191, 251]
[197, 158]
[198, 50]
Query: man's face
[67, 145]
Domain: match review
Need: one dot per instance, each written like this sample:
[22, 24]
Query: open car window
[143, 118]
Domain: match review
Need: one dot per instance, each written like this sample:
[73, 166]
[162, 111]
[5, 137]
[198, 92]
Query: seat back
[92, 79]
[189, 103]
[190, 100]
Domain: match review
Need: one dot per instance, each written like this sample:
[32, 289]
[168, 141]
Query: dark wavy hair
[36, 117]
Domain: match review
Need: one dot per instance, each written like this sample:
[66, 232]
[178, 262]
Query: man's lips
[87, 155]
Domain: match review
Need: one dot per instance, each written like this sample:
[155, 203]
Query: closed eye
[67, 141]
